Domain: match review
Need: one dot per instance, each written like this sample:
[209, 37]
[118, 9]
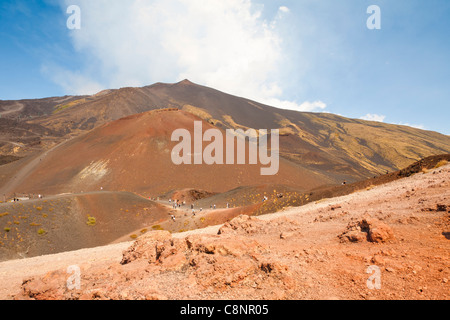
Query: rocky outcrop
[367, 229]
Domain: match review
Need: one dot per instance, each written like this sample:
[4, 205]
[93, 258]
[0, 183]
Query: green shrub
[41, 231]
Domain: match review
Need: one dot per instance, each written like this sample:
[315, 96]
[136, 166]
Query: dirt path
[12, 273]
[17, 107]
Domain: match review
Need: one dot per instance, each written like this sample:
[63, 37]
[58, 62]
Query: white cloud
[284, 9]
[226, 45]
[313, 106]
[316, 106]
[381, 118]
[373, 117]
[417, 126]
[74, 83]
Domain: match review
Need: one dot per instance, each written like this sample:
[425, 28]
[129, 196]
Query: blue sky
[305, 55]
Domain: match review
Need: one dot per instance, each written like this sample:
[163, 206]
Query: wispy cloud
[74, 83]
[226, 45]
[417, 126]
[373, 117]
[382, 118]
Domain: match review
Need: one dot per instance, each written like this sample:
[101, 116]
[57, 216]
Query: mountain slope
[134, 154]
[342, 148]
[322, 141]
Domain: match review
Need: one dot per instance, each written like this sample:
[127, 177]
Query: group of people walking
[176, 204]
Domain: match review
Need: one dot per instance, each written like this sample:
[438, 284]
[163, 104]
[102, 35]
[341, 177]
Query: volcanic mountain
[352, 149]
[134, 154]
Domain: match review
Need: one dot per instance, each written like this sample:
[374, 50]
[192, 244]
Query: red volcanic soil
[390, 242]
[187, 195]
[71, 222]
[134, 154]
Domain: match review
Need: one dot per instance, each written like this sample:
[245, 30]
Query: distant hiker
[228, 205]
[214, 207]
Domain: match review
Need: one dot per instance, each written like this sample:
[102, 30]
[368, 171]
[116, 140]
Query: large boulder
[367, 229]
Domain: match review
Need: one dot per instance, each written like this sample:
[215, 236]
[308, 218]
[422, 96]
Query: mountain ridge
[357, 149]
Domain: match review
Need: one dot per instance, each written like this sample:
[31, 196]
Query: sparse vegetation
[62, 107]
[157, 227]
[4, 214]
[91, 221]
[41, 231]
[7, 229]
[133, 236]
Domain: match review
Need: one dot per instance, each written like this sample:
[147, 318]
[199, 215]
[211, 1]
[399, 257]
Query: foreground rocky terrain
[385, 242]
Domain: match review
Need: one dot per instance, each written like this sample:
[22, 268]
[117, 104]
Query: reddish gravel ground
[390, 241]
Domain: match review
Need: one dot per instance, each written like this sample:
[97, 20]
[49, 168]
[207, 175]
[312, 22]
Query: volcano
[134, 154]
